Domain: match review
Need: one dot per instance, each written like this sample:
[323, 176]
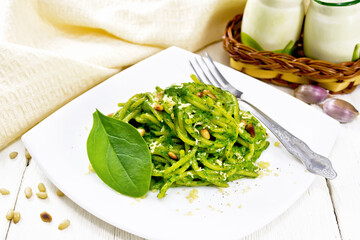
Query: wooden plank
[345, 189]
[122, 235]
[11, 173]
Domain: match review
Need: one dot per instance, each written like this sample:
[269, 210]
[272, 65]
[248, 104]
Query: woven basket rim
[300, 66]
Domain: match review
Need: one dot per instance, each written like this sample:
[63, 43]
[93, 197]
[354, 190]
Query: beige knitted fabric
[51, 51]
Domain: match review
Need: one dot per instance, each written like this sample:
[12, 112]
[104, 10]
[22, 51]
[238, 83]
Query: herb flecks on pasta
[197, 135]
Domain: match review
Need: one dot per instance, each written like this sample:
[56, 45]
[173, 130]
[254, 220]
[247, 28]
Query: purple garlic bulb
[340, 110]
[311, 93]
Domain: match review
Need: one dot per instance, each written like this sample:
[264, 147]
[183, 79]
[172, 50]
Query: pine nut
[250, 129]
[276, 144]
[200, 94]
[110, 114]
[10, 214]
[45, 217]
[13, 155]
[59, 193]
[209, 94]
[141, 131]
[205, 133]
[172, 155]
[212, 96]
[158, 107]
[64, 224]
[27, 155]
[16, 217]
[42, 195]
[28, 192]
[4, 191]
[41, 187]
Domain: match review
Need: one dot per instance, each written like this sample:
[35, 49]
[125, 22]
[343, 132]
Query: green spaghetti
[197, 135]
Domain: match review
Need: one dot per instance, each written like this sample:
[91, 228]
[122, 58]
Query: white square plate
[58, 145]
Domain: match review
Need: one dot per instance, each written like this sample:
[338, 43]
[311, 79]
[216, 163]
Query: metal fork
[313, 162]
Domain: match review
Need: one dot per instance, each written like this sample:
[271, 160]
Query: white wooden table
[328, 210]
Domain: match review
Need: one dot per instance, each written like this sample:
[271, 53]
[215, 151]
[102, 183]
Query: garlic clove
[339, 109]
[311, 93]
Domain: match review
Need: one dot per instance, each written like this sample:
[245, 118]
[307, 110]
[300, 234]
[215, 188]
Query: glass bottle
[332, 30]
[273, 25]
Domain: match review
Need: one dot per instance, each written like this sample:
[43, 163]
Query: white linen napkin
[52, 51]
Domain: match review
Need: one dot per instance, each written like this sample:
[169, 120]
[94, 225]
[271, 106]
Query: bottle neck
[331, 8]
[337, 3]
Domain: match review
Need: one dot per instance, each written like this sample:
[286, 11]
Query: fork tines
[206, 70]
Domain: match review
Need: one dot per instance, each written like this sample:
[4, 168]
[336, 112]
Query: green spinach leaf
[119, 155]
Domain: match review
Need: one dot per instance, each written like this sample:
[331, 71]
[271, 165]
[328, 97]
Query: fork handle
[313, 162]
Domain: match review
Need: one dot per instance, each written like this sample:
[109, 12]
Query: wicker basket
[287, 70]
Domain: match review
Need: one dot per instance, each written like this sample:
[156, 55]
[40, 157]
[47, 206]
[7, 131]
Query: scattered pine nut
[276, 144]
[141, 131]
[59, 193]
[172, 155]
[28, 192]
[10, 214]
[13, 155]
[16, 217]
[205, 133]
[41, 187]
[42, 195]
[27, 155]
[200, 94]
[4, 191]
[158, 107]
[45, 217]
[64, 224]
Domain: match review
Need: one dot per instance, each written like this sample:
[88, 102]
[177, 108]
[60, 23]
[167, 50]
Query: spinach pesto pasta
[197, 135]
